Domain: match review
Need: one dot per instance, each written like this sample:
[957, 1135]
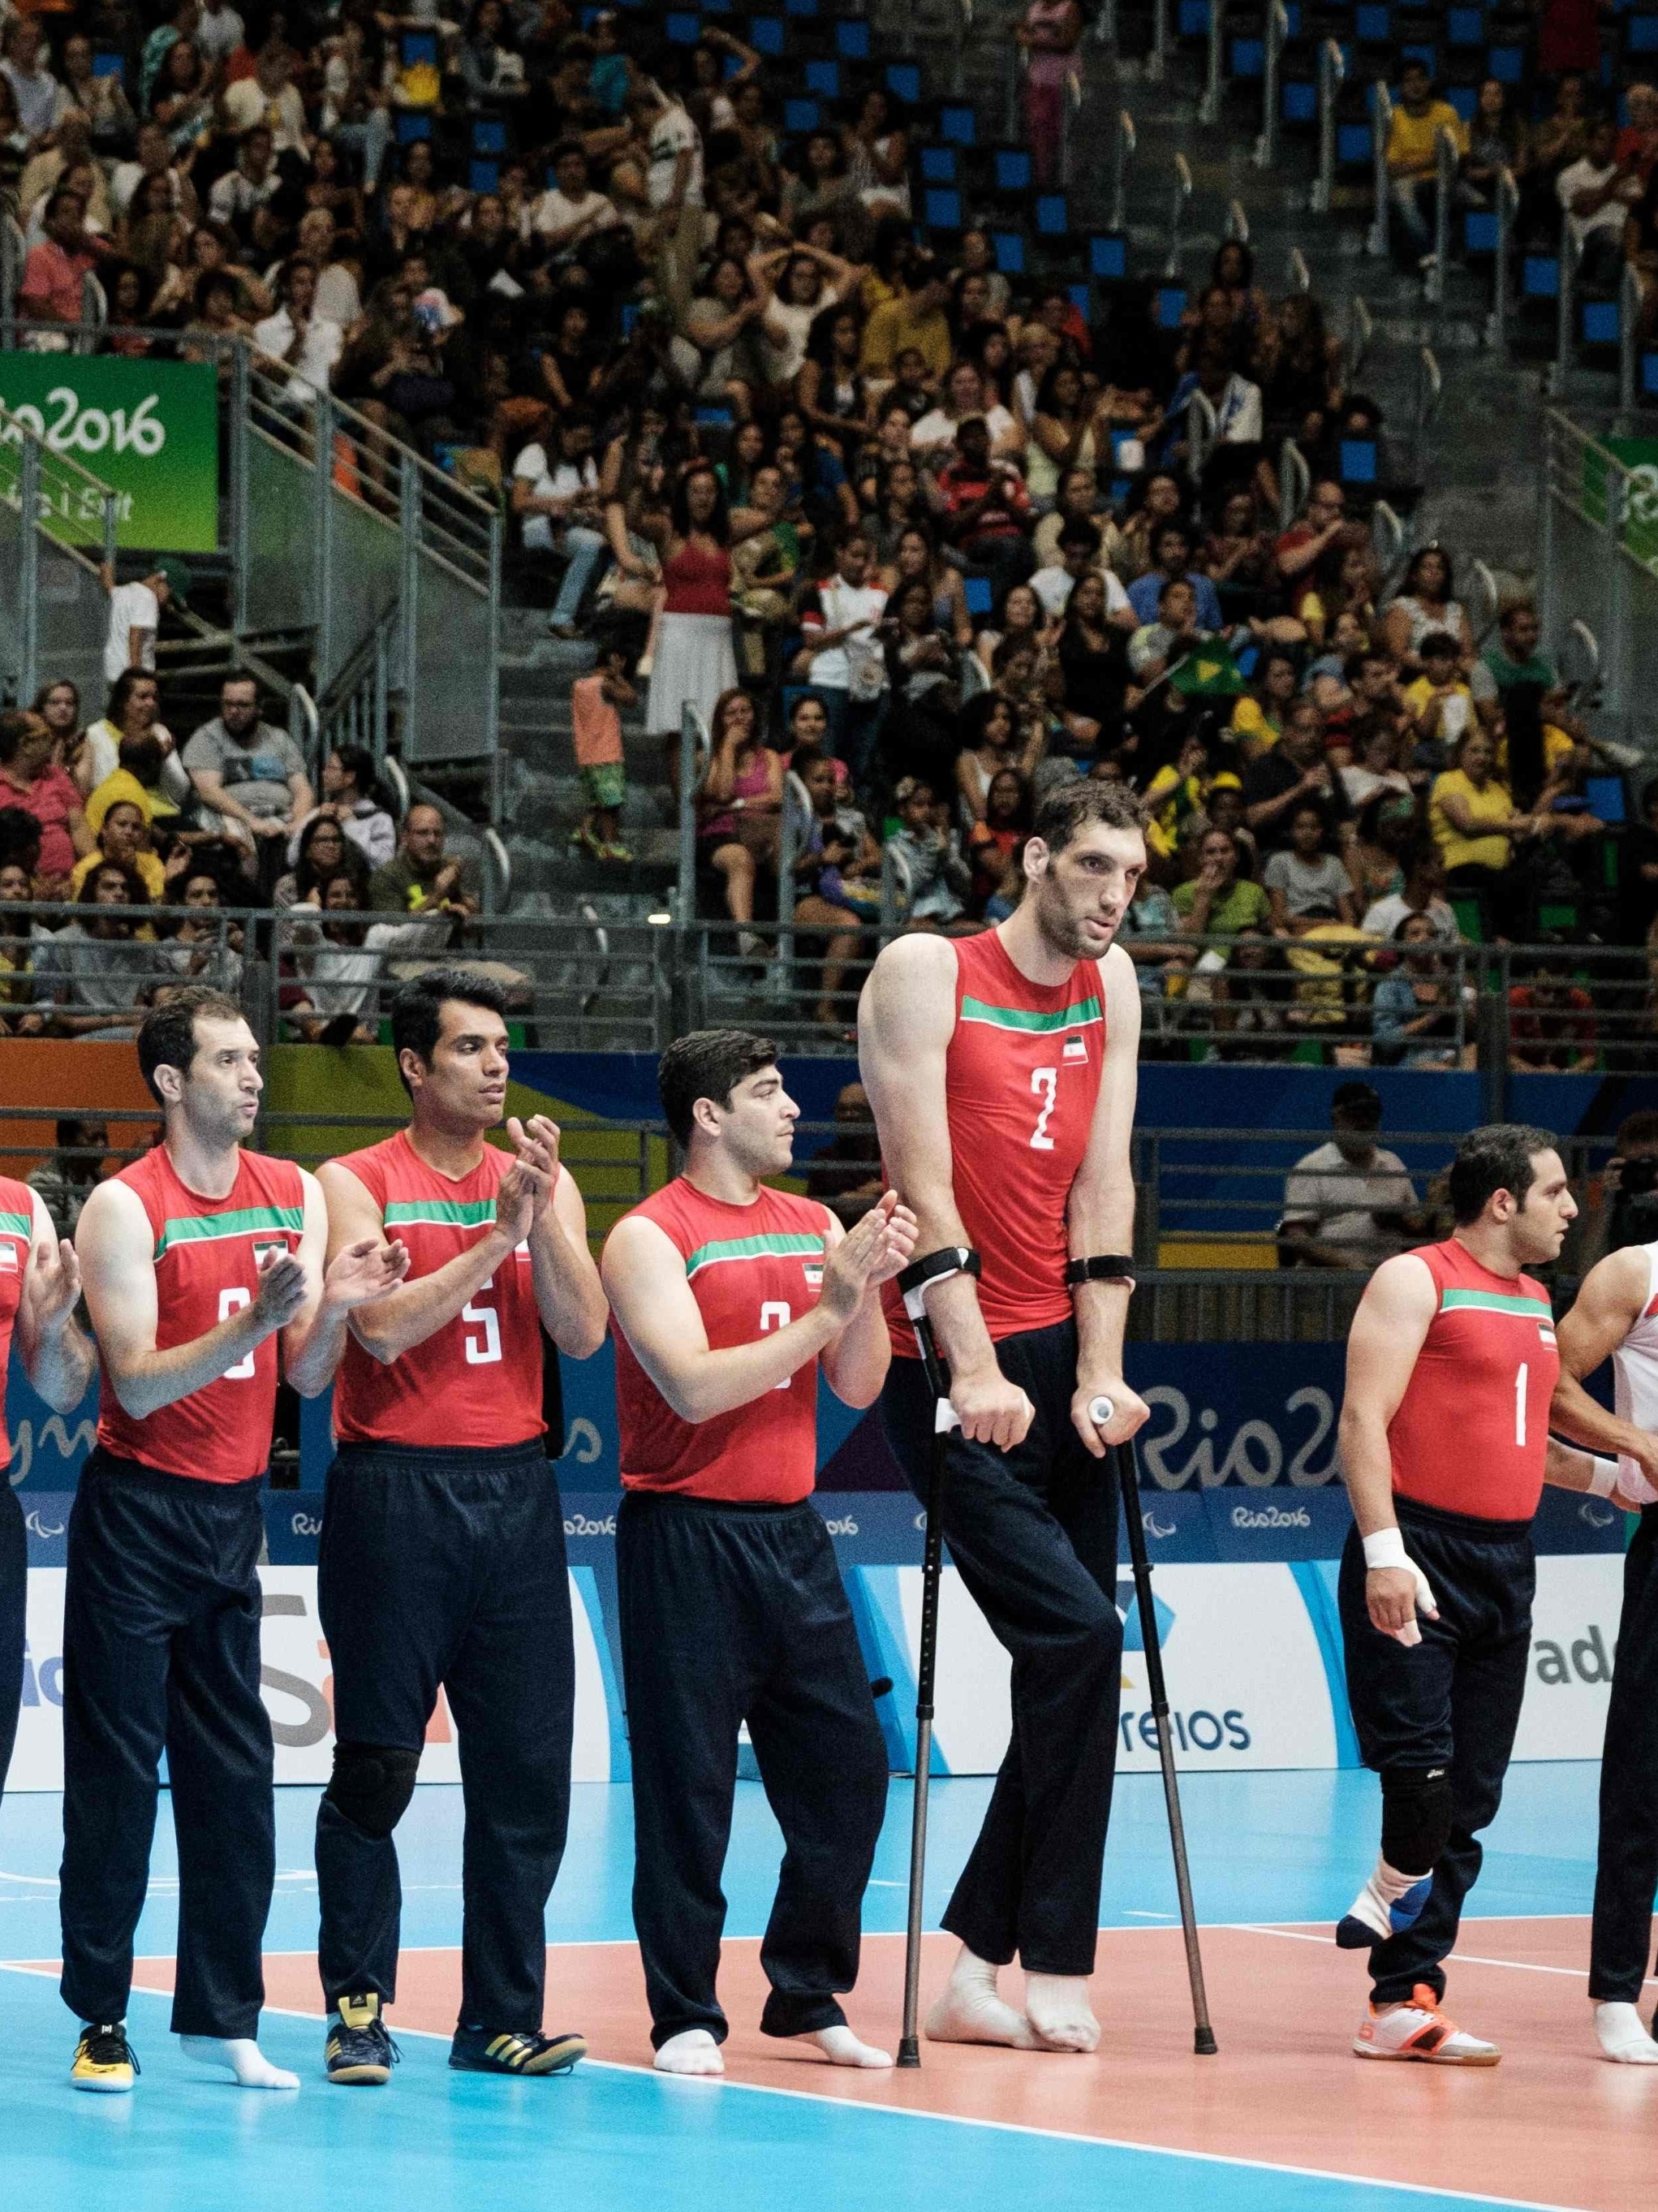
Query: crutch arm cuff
[934, 1268]
[1101, 1267]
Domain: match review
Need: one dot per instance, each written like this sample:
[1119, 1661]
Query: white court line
[681, 2084]
[1457, 1958]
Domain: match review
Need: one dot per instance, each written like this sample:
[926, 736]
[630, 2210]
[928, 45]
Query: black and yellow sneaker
[359, 2052]
[476, 2051]
[104, 2059]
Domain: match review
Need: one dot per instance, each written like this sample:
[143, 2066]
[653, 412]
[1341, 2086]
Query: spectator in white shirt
[219, 30]
[1349, 1204]
[1423, 893]
[1080, 551]
[253, 183]
[963, 395]
[40, 99]
[673, 186]
[268, 96]
[572, 211]
[308, 342]
[135, 615]
[557, 498]
[152, 157]
[1596, 192]
[842, 658]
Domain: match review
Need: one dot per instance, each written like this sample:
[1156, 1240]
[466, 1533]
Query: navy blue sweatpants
[1626, 1869]
[161, 1611]
[14, 1614]
[1034, 1533]
[1452, 1700]
[444, 1566]
[730, 1612]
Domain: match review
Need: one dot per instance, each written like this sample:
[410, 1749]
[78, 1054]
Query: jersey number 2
[1045, 1082]
[1520, 1402]
[774, 1314]
[480, 1351]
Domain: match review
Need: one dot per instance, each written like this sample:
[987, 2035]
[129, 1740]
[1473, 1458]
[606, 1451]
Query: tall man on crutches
[1001, 1069]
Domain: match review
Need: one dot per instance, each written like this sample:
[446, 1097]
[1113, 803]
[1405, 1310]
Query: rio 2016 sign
[148, 430]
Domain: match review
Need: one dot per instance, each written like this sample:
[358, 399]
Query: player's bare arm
[59, 1357]
[906, 1018]
[1608, 1306]
[644, 1281]
[1387, 1333]
[388, 1326]
[1100, 1216]
[855, 1363]
[116, 1248]
[314, 1339]
[569, 1296]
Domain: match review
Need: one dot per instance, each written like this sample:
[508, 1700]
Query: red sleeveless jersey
[1472, 1430]
[477, 1381]
[207, 1253]
[752, 1268]
[16, 1235]
[1022, 1075]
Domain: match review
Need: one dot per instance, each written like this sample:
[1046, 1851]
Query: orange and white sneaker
[1420, 2031]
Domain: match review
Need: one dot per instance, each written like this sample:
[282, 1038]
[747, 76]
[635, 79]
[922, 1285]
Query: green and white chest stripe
[1453, 1300]
[21, 1227]
[1080, 1014]
[773, 1244]
[444, 1213]
[244, 1221]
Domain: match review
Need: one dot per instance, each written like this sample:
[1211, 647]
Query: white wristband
[1385, 1549]
[1603, 1478]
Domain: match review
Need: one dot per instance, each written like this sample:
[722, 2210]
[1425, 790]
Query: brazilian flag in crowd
[1208, 672]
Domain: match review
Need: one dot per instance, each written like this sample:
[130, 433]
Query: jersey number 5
[1045, 1082]
[480, 1351]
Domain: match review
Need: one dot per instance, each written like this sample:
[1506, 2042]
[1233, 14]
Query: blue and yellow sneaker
[104, 2059]
[476, 2051]
[359, 2052]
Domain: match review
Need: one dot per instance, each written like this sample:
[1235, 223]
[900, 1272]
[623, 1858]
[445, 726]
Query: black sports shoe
[104, 2059]
[359, 2052]
[476, 2051]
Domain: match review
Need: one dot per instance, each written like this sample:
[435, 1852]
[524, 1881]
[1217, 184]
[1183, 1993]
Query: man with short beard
[1001, 1069]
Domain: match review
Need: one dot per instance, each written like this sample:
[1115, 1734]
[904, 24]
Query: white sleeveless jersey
[1635, 1371]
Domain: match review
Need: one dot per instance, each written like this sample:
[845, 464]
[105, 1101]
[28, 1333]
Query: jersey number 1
[1520, 1402]
[1045, 1082]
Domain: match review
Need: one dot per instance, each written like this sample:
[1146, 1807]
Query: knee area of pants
[371, 1785]
[1416, 1806]
[1099, 1634]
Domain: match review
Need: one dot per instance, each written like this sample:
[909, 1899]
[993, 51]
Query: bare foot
[842, 2048]
[1057, 2009]
[970, 2010]
[693, 2050]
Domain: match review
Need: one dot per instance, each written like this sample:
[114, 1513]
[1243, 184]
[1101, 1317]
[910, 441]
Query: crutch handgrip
[1100, 1411]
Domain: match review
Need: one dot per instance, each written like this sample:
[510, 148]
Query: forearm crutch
[1128, 1479]
[913, 1284]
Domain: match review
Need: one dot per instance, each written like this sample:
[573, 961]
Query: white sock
[693, 2050]
[241, 2056]
[970, 2010]
[1623, 2036]
[841, 2047]
[1058, 2007]
[1389, 1903]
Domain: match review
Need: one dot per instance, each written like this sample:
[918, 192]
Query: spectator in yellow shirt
[1412, 136]
[915, 318]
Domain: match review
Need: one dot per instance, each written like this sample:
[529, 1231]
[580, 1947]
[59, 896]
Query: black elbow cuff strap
[1101, 1267]
[934, 1268]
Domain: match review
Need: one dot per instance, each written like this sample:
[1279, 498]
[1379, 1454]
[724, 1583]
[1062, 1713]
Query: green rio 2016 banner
[149, 429]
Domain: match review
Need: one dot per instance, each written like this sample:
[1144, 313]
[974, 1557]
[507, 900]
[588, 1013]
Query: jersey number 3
[1045, 1082]
[482, 1350]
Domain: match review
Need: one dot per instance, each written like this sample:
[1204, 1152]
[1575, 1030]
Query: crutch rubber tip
[1203, 2042]
[910, 2051]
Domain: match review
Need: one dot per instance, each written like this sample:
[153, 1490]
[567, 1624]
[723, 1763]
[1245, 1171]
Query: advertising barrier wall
[149, 429]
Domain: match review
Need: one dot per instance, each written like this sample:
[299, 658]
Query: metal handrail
[1178, 205]
[1157, 59]
[1235, 228]
[1069, 109]
[1331, 75]
[1294, 482]
[498, 875]
[1445, 160]
[1214, 64]
[1630, 303]
[1386, 539]
[1482, 600]
[45, 487]
[1275, 34]
[1298, 278]
[1202, 431]
[1381, 115]
[1430, 391]
[1361, 334]
[1122, 156]
[1508, 211]
[695, 758]
[1565, 330]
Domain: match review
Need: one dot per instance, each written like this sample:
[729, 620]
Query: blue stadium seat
[1053, 215]
[976, 591]
[767, 35]
[1248, 57]
[1605, 794]
[904, 81]
[1081, 299]
[1008, 248]
[489, 136]
[483, 176]
[1462, 98]
[1641, 35]
[1479, 231]
[1373, 26]
[852, 38]
[1107, 255]
[939, 165]
[1540, 276]
[682, 29]
[413, 123]
[1506, 64]
[1649, 374]
[1353, 145]
[801, 115]
[1298, 100]
[1600, 322]
[959, 125]
[1194, 18]
[1358, 461]
[1010, 169]
[941, 208]
[800, 7]
[823, 79]
[1169, 306]
[1465, 26]
[1418, 50]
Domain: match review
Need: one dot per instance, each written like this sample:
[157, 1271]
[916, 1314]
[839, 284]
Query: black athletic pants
[1626, 1871]
[161, 1611]
[1452, 1700]
[14, 1618]
[447, 1566]
[730, 1612]
[1034, 1533]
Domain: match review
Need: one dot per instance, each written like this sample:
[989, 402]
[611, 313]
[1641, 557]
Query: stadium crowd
[921, 533]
